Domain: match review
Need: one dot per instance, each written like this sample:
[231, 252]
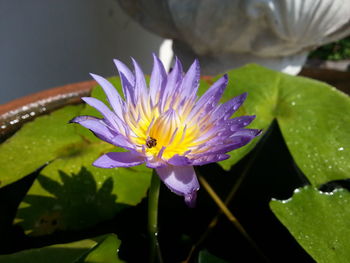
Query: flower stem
[230, 216]
[153, 198]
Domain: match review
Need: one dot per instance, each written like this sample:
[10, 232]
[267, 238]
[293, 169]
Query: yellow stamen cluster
[152, 130]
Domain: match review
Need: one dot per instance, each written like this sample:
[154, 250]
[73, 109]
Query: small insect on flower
[167, 126]
[151, 142]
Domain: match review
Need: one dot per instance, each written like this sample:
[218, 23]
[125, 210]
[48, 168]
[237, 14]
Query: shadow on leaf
[74, 203]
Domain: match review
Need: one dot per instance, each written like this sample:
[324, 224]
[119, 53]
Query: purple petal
[173, 81]
[123, 69]
[97, 126]
[237, 140]
[111, 117]
[181, 180]
[156, 163]
[211, 97]
[178, 160]
[122, 142]
[251, 133]
[140, 82]
[127, 79]
[190, 200]
[190, 81]
[213, 158]
[112, 94]
[119, 159]
[239, 122]
[158, 79]
[225, 111]
[224, 144]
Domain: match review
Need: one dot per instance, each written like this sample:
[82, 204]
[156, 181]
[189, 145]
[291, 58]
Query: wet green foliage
[68, 199]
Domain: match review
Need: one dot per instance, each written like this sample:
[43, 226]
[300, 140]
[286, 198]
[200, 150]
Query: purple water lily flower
[166, 126]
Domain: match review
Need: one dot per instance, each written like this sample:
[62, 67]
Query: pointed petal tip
[241, 98]
[223, 81]
[258, 132]
[244, 95]
[135, 63]
[157, 61]
[155, 57]
[118, 159]
[196, 62]
[117, 62]
[178, 63]
[86, 99]
[99, 79]
[191, 199]
[74, 120]
[121, 67]
[79, 119]
[181, 180]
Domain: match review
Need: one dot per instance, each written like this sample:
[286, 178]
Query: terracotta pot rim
[16, 112]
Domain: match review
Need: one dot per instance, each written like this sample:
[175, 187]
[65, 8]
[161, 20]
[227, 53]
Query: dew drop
[341, 149]
[14, 121]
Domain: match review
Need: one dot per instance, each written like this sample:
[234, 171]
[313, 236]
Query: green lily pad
[206, 257]
[47, 138]
[72, 194]
[104, 252]
[320, 222]
[314, 119]
[53, 254]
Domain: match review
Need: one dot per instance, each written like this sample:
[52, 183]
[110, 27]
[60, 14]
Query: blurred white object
[230, 33]
[166, 53]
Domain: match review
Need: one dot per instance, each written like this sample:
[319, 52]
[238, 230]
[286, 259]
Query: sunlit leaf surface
[320, 222]
[43, 140]
[105, 252]
[314, 119]
[205, 257]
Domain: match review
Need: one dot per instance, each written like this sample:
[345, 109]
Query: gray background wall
[48, 43]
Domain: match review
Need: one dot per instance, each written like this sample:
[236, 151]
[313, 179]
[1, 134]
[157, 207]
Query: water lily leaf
[104, 252]
[36, 143]
[206, 257]
[72, 194]
[54, 254]
[314, 119]
[320, 222]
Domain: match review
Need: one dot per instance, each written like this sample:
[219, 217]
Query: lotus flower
[166, 126]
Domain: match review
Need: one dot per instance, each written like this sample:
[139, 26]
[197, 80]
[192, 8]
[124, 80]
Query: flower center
[167, 133]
